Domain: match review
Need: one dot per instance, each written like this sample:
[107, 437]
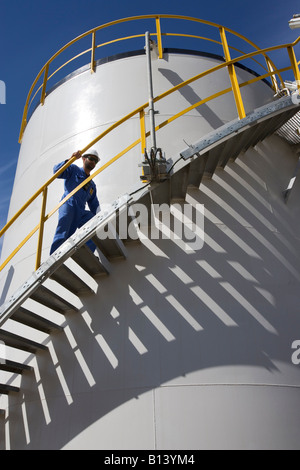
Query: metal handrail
[93, 47]
[235, 88]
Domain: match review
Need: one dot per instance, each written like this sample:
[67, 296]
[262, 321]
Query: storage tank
[181, 345]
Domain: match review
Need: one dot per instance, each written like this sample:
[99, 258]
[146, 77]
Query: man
[72, 214]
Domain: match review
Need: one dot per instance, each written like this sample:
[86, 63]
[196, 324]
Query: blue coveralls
[72, 214]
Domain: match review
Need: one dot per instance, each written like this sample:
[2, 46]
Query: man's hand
[77, 154]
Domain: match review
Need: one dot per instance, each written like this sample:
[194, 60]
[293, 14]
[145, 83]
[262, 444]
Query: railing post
[143, 130]
[43, 96]
[273, 77]
[23, 123]
[93, 52]
[295, 66]
[41, 230]
[233, 78]
[159, 42]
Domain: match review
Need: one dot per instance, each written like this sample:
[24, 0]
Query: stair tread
[109, 243]
[15, 367]
[52, 300]
[33, 320]
[68, 279]
[19, 342]
[89, 262]
[6, 389]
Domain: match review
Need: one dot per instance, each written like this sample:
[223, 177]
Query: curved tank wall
[177, 348]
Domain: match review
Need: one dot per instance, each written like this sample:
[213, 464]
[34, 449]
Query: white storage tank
[176, 348]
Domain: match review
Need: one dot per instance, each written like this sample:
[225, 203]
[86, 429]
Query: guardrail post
[41, 230]
[43, 96]
[143, 130]
[273, 77]
[233, 78]
[159, 42]
[93, 52]
[23, 123]
[295, 66]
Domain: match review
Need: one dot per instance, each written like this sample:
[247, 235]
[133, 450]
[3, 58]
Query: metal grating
[290, 131]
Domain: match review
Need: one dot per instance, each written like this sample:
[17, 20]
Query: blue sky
[33, 30]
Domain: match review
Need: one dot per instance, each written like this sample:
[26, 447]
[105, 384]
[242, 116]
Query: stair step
[268, 127]
[245, 140]
[50, 299]
[257, 133]
[89, 262]
[68, 279]
[125, 226]
[179, 184]
[224, 152]
[141, 210]
[18, 342]
[33, 320]
[196, 170]
[235, 147]
[109, 243]
[14, 367]
[212, 159]
[6, 389]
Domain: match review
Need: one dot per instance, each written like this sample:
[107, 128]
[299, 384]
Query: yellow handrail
[93, 32]
[235, 88]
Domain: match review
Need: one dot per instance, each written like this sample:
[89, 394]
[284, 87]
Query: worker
[73, 213]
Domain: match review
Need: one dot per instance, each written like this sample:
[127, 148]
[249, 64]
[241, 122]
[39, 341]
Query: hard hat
[92, 152]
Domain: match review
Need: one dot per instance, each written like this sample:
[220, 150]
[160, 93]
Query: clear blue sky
[33, 30]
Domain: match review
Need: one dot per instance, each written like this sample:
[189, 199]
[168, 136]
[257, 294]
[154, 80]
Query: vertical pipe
[150, 90]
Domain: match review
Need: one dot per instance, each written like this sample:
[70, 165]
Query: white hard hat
[92, 152]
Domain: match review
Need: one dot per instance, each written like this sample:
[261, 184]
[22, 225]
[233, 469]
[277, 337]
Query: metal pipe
[150, 90]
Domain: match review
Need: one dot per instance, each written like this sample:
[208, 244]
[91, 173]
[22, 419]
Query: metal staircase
[199, 160]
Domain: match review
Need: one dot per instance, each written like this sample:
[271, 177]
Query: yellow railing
[271, 72]
[44, 72]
